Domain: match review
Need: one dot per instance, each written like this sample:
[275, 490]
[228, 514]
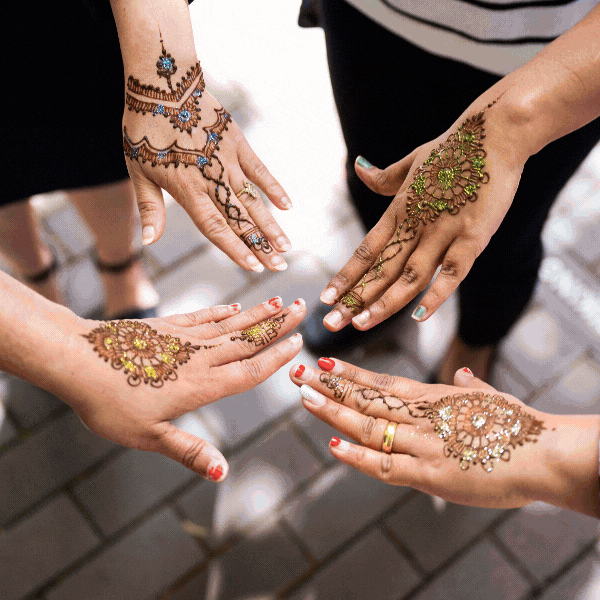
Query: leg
[110, 212]
[22, 246]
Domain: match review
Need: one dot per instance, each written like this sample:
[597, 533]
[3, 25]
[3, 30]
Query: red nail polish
[299, 370]
[297, 302]
[335, 441]
[467, 370]
[326, 364]
[236, 306]
[216, 473]
[274, 302]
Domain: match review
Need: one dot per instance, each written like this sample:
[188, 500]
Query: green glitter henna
[446, 181]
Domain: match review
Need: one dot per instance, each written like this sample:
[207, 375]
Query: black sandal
[43, 274]
[115, 268]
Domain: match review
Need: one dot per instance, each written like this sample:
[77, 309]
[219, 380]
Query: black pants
[392, 97]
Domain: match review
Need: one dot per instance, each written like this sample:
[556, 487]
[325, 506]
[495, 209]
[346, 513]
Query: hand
[183, 141]
[440, 445]
[137, 379]
[451, 196]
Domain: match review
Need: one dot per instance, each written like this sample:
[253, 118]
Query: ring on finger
[388, 437]
[255, 239]
[248, 189]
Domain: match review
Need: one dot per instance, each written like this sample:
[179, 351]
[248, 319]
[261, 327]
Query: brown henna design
[262, 333]
[445, 182]
[339, 385]
[144, 354]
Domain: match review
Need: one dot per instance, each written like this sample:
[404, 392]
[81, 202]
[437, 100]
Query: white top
[497, 36]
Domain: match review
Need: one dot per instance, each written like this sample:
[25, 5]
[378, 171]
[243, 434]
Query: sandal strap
[43, 274]
[116, 267]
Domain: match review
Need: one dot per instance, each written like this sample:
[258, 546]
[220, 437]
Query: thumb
[464, 378]
[388, 181]
[151, 205]
[193, 453]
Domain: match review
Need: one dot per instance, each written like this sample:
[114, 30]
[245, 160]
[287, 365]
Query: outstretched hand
[140, 376]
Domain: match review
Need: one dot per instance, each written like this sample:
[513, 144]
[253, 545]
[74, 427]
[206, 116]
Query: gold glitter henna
[481, 428]
[143, 353]
[262, 333]
[447, 180]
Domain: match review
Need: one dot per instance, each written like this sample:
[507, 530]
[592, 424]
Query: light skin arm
[168, 122]
[555, 93]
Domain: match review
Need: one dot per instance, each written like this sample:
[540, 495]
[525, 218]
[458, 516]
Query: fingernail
[279, 264]
[275, 302]
[312, 396]
[363, 162]
[335, 441]
[297, 337]
[468, 371]
[333, 318]
[147, 234]
[255, 264]
[216, 473]
[329, 295]
[235, 307]
[341, 444]
[299, 370]
[363, 318]
[326, 364]
[299, 303]
[418, 313]
[286, 202]
[283, 243]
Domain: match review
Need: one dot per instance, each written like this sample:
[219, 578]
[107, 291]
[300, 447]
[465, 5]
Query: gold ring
[248, 189]
[388, 437]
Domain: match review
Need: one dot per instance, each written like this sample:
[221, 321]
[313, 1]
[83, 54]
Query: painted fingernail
[286, 203]
[255, 264]
[312, 396]
[363, 162]
[333, 318]
[299, 370]
[298, 304]
[329, 295]
[326, 364]
[275, 302]
[418, 313]
[296, 338]
[335, 441]
[147, 234]
[468, 371]
[363, 318]
[216, 473]
[283, 243]
[235, 307]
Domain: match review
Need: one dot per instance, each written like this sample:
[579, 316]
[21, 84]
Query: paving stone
[29, 404]
[128, 485]
[41, 546]
[71, 229]
[318, 431]
[7, 429]
[338, 505]
[540, 345]
[506, 378]
[577, 392]
[544, 537]
[84, 292]
[137, 567]
[259, 478]
[580, 583]
[371, 568]
[258, 567]
[46, 460]
[179, 238]
[198, 283]
[434, 532]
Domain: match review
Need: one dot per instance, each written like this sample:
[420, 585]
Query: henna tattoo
[155, 93]
[339, 385]
[143, 353]
[255, 240]
[262, 333]
[445, 182]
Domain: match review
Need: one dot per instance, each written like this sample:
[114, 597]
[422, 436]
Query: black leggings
[391, 97]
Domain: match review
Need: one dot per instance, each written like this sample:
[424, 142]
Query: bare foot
[479, 359]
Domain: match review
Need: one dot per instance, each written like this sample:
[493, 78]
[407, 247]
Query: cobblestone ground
[83, 519]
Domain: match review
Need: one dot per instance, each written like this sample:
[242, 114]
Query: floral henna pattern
[144, 354]
[481, 428]
[339, 385]
[262, 333]
[445, 182]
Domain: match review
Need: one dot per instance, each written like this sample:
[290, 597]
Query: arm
[177, 137]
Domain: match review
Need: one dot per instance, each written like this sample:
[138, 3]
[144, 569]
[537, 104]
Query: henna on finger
[262, 333]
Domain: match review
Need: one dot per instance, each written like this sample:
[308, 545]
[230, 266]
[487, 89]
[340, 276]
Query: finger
[193, 452]
[455, 266]
[256, 171]
[151, 205]
[384, 181]
[397, 469]
[258, 212]
[246, 343]
[204, 315]
[367, 430]
[244, 375]
[464, 378]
